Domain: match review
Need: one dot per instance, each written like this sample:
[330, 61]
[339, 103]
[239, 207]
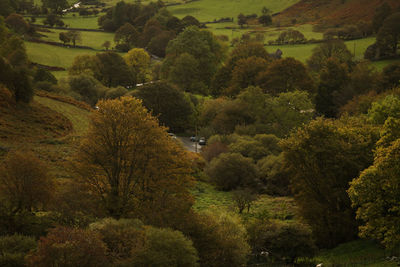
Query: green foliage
[89, 89]
[374, 193]
[334, 78]
[256, 148]
[284, 241]
[138, 61]
[164, 248]
[231, 170]
[336, 49]
[202, 45]
[273, 176]
[391, 76]
[219, 238]
[115, 92]
[111, 70]
[69, 247]
[123, 237]
[285, 75]
[55, 5]
[168, 103]
[384, 108]
[381, 13]
[14, 248]
[321, 159]
[126, 37]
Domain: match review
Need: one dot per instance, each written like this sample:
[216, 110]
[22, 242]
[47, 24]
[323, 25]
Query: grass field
[208, 10]
[207, 197]
[356, 253]
[91, 39]
[77, 21]
[54, 55]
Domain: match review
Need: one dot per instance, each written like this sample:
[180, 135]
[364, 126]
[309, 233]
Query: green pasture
[91, 39]
[207, 197]
[208, 10]
[303, 52]
[89, 22]
[379, 65]
[356, 253]
[51, 55]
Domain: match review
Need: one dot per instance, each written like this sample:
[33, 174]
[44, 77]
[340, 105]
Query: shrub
[65, 247]
[231, 170]
[165, 248]
[283, 241]
[115, 92]
[14, 248]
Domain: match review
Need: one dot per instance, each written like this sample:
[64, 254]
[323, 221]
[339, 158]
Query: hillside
[332, 11]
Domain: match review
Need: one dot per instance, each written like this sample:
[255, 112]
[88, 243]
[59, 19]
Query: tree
[245, 73]
[83, 64]
[55, 5]
[185, 75]
[321, 159]
[285, 75]
[333, 80]
[202, 45]
[64, 37]
[374, 193]
[138, 61]
[158, 43]
[74, 36]
[17, 23]
[389, 36]
[165, 247]
[14, 248]
[231, 170]
[387, 107]
[282, 240]
[273, 176]
[106, 45]
[131, 164]
[243, 199]
[25, 184]
[246, 50]
[111, 69]
[330, 49]
[126, 37]
[265, 20]
[391, 76]
[6, 8]
[241, 20]
[168, 103]
[220, 239]
[87, 87]
[124, 238]
[69, 247]
[381, 13]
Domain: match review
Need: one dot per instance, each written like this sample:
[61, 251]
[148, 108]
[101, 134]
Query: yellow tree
[139, 62]
[131, 164]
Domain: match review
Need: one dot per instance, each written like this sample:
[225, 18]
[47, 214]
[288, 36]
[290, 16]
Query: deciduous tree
[132, 166]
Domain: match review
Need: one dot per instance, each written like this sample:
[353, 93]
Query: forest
[103, 102]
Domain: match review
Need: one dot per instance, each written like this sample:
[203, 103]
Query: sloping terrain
[333, 11]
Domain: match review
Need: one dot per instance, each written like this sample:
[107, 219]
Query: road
[189, 145]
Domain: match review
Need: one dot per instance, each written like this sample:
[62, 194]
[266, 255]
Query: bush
[165, 248]
[14, 248]
[283, 241]
[87, 87]
[123, 237]
[273, 176]
[231, 170]
[65, 247]
[220, 239]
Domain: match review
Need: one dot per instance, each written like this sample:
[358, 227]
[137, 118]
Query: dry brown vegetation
[333, 11]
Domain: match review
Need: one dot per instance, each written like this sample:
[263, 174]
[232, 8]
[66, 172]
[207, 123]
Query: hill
[332, 11]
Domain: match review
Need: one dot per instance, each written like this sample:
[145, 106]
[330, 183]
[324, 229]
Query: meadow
[94, 40]
[88, 22]
[208, 10]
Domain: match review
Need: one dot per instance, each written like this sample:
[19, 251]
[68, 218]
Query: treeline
[149, 26]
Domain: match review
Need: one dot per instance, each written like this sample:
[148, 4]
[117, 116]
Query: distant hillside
[332, 11]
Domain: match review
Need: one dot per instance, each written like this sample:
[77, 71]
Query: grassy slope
[356, 253]
[208, 10]
[77, 21]
[91, 39]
